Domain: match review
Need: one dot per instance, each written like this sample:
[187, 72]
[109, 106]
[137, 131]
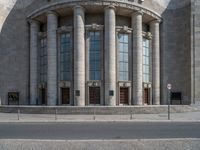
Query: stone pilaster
[52, 23]
[79, 56]
[137, 58]
[155, 30]
[34, 29]
[110, 56]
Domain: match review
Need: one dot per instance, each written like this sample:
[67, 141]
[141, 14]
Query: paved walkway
[14, 117]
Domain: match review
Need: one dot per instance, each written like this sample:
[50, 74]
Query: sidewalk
[174, 117]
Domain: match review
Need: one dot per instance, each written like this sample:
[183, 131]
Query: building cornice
[118, 3]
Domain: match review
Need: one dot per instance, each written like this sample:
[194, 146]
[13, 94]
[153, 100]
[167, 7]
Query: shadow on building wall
[176, 51]
[14, 52]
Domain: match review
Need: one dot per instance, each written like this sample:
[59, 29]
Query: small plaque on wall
[111, 93]
[77, 92]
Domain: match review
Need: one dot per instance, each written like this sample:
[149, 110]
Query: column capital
[110, 7]
[79, 7]
[33, 21]
[50, 12]
[156, 21]
[139, 12]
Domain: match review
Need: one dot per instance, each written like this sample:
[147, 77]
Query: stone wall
[14, 52]
[175, 53]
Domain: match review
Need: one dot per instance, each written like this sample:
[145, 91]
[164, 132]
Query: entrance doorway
[43, 96]
[124, 96]
[146, 96]
[65, 96]
[94, 95]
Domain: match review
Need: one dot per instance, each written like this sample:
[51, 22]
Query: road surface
[100, 130]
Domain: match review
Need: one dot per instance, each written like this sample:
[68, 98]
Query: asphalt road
[99, 130]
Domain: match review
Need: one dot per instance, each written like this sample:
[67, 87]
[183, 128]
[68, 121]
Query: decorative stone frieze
[64, 29]
[94, 27]
[147, 85]
[64, 84]
[42, 86]
[42, 34]
[124, 29]
[147, 35]
[124, 84]
[94, 83]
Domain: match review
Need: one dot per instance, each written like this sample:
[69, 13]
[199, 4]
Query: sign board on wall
[13, 98]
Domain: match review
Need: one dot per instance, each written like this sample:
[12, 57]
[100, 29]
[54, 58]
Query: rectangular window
[95, 55]
[123, 60]
[43, 60]
[146, 60]
[65, 57]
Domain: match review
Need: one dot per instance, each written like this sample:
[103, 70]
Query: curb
[99, 140]
[93, 121]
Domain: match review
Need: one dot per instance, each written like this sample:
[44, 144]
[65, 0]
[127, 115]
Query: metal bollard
[94, 116]
[18, 114]
[131, 117]
[169, 117]
[56, 111]
[169, 87]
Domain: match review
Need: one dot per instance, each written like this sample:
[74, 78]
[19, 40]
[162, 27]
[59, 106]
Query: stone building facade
[99, 52]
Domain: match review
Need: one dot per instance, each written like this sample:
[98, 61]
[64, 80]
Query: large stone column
[34, 29]
[79, 55]
[52, 23]
[110, 56]
[155, 30]
[137, 58]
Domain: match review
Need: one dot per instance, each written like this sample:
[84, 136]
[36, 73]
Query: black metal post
[168, 103]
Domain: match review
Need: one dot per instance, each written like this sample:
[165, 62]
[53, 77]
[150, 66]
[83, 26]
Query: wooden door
[146, 96]
[44, 96]
[65, 96]
[124, 96]
[94, 95]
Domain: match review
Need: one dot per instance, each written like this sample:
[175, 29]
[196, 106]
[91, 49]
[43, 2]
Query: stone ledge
[117, 110]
